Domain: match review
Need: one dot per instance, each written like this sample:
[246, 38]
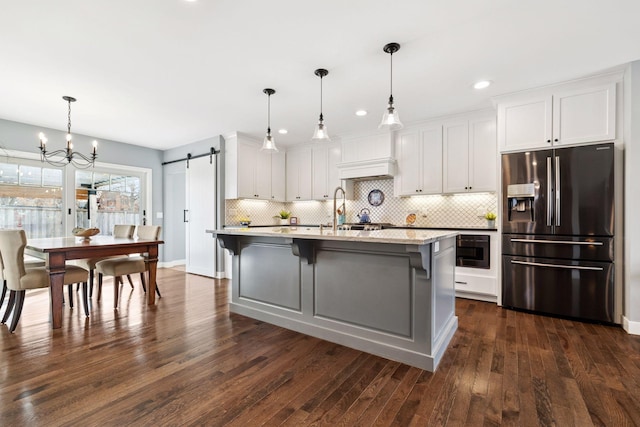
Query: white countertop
[397, 236]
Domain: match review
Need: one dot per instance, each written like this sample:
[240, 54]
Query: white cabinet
[419, 161]
[326, 177]
[469, 155]
[262, 175]
[278, 173]
[251, 173]
[480, 283]
[299, 174]
[572, 116]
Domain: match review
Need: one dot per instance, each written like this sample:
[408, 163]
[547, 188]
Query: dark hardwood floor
[189, 362]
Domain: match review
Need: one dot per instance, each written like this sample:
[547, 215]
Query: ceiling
[164, 73]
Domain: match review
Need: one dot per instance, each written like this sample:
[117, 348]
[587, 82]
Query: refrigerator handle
[549, 193]
[557, 215]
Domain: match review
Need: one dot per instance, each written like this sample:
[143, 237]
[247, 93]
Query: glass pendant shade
[320, 133]
[390, 119]
[269, 142]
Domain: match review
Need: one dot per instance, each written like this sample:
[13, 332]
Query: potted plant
[245, 221]
[491, 219]
[283, 215]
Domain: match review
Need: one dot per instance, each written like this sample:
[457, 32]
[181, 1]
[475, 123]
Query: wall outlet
[233, 212]
[159, 215]
[480, 212]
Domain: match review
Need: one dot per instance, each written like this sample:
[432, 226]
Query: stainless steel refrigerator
[557, 232]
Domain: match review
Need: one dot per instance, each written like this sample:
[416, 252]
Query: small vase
[491, 223]
[284, 221]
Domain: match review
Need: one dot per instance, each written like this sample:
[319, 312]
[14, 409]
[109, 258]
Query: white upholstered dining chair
[125, 266]
[19, 279]
[124, 231]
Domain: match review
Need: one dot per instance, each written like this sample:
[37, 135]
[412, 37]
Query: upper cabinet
[574, 114]
[278, 173]
[325, 159]
[419, 157]
[453, 156]
[299, 173]
[249, 172]
[469, 155]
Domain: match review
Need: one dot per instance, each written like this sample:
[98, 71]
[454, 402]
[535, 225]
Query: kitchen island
[385, 292]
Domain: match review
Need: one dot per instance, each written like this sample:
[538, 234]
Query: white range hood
[368, 157]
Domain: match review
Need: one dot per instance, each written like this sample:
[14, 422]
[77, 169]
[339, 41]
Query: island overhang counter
[386, 292]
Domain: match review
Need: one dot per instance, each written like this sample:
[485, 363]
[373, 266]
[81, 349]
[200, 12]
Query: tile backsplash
[457, 210]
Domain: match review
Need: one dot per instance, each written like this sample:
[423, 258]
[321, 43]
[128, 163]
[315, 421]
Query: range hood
[368, 169]
[367, 157]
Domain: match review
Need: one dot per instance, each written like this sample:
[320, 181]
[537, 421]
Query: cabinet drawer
[475, 284]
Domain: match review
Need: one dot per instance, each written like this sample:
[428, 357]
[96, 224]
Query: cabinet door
[278, 176]
[455, 145]
[408, 179]
[304, 175]
[525, 124]
[247, 157]
[262, 180]
[320, 172]
[431, 160]
[299, 175]
[584, 115]
[482, 155]
[335, 157]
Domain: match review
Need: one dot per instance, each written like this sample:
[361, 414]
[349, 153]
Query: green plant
[490, 216]
[284, 214]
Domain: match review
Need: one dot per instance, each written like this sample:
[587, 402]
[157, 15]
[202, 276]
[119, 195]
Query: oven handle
[569, 267]
[557, 242]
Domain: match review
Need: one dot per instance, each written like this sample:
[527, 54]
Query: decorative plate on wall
[376, 197]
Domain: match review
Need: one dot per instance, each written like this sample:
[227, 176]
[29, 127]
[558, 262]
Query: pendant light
[390, 119]
[320, 133]
[269, 143]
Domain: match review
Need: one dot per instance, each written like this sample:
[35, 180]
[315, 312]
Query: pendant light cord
[269, 113]
[321, 118]
[391, 81]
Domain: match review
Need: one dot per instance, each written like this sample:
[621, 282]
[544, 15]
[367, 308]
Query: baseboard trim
[630, 326]
[170, 264]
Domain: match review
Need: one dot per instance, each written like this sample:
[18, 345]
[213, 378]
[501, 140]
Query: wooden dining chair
[125, 266]
[124, 231]
[19, 279]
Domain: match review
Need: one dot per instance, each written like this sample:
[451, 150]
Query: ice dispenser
[520, 199]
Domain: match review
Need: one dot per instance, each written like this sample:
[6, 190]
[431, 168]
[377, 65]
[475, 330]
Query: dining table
[56, 251]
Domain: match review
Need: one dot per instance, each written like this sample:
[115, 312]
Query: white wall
[632, 199]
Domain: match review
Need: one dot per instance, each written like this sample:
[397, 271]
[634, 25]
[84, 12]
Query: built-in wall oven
[472, 250]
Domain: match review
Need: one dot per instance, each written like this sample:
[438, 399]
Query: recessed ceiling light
[283, 131]
[482, 84]
[361, 113]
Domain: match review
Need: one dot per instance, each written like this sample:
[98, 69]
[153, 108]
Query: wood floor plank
[188, 361]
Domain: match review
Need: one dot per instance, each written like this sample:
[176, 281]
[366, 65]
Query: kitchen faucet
[344, 206]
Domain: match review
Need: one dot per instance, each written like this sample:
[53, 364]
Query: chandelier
[67, 156]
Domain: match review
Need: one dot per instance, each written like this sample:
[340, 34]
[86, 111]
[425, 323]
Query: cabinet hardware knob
[556, 140]
[549, 141]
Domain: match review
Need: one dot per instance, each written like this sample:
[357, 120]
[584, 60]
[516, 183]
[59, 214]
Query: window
[105, 199]
[31, 199]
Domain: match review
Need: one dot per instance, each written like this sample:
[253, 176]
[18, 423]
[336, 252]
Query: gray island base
[386, 292]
